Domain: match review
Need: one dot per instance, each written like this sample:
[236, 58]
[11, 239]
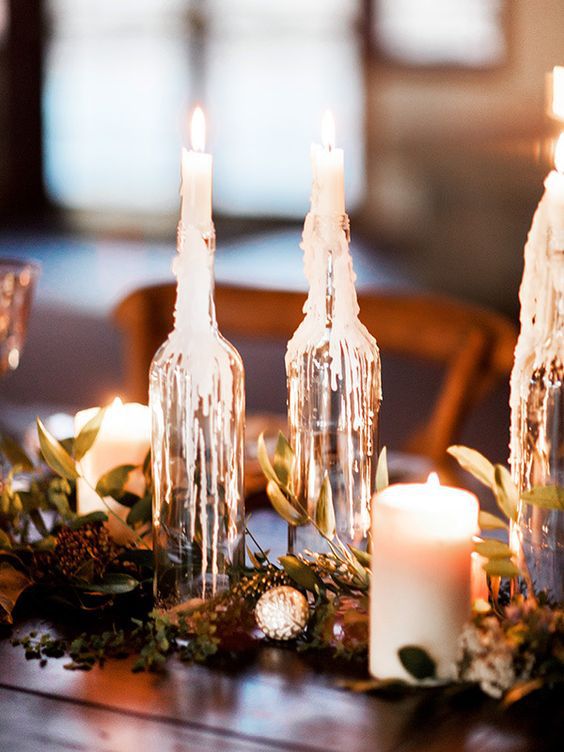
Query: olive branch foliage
[38, 501]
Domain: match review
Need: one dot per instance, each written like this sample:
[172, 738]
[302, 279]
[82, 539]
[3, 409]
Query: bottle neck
[193, 267]
[329, 268]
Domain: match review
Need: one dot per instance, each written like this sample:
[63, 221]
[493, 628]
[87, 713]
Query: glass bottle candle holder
[197, 402]
[334, 389]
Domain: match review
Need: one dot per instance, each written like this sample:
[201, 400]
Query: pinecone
[91, 542]
[251, 587]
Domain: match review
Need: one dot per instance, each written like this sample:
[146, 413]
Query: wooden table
[278, 701]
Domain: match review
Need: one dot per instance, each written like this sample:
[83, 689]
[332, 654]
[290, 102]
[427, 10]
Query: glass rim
[20, 264]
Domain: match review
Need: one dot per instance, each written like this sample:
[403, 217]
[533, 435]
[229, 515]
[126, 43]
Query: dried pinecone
[75, 548]
[251, 587]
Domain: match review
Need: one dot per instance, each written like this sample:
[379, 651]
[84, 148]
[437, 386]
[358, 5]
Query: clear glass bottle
[334, 390]
[539, 531]
[197, 401]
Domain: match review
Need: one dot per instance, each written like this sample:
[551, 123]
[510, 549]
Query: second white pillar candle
[421, 574]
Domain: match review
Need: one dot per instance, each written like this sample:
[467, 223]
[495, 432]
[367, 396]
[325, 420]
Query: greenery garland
[51, 556]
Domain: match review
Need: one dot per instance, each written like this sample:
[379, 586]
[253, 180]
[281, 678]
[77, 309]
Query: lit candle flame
[117, 402]
[433, 480]
[328, 130]
[559, 154]
[558, 92]
[198, 130]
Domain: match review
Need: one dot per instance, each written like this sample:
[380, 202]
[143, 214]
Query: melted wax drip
[195, 390]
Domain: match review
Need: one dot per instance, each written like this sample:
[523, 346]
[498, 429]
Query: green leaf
[505, 491]
[55, 454]
[253, 559]
[39, 523]
[285, 509]
[324, 510]
[5, 540]
[87, 436]
[493, 549]
[141, 511]
[79, 522]
[362, 557]
[15, 455]
[474, 463]
[382, 477]
[501, 568]
[489, 521]
[417, 662]
[13, 582]
[546, 497]
[301, 573]
[264, 461]
[114, 583]
[283, 460]
[112, 482]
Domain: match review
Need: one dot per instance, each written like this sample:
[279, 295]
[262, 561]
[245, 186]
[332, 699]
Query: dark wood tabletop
[277, 700]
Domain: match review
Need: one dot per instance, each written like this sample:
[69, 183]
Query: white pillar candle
[124, 439]
[196, 189]
[421, 573]
[328, 189]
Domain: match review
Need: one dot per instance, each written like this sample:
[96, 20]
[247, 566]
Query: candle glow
[328, 130]
[198, 130]
[559, 154]
[558, 92]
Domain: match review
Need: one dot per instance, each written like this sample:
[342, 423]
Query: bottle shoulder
[210, 345]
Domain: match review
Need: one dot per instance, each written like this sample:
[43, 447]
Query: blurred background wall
[440, 105]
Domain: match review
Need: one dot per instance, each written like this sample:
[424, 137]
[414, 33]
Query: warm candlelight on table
[328, 195]
[421, 573]
[196, 189]
[123, 439]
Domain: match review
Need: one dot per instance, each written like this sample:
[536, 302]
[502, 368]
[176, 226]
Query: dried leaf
[489, 521]
[264, 461]
[324, 510]
[521, 690]
[285, 508]
[13, 582]
[283, 460]
[88, 434]
[417, 662]
[382, 478]
[301, 573]
[505, 491]
[15, 455]
[546, 497]
[474, 463]
[501, 568]
[493, 549]
[55, 455]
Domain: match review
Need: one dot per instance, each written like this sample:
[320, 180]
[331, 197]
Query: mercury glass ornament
[282, 613]
[197, 401]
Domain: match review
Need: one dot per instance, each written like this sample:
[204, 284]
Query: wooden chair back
[474, 345]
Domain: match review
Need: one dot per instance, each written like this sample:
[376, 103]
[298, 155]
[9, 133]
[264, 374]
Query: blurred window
[120, 78]
[467, 33]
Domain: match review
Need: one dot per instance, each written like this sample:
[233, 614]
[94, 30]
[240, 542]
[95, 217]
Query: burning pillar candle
[196, 190]
[123, 439]
[421, 573]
